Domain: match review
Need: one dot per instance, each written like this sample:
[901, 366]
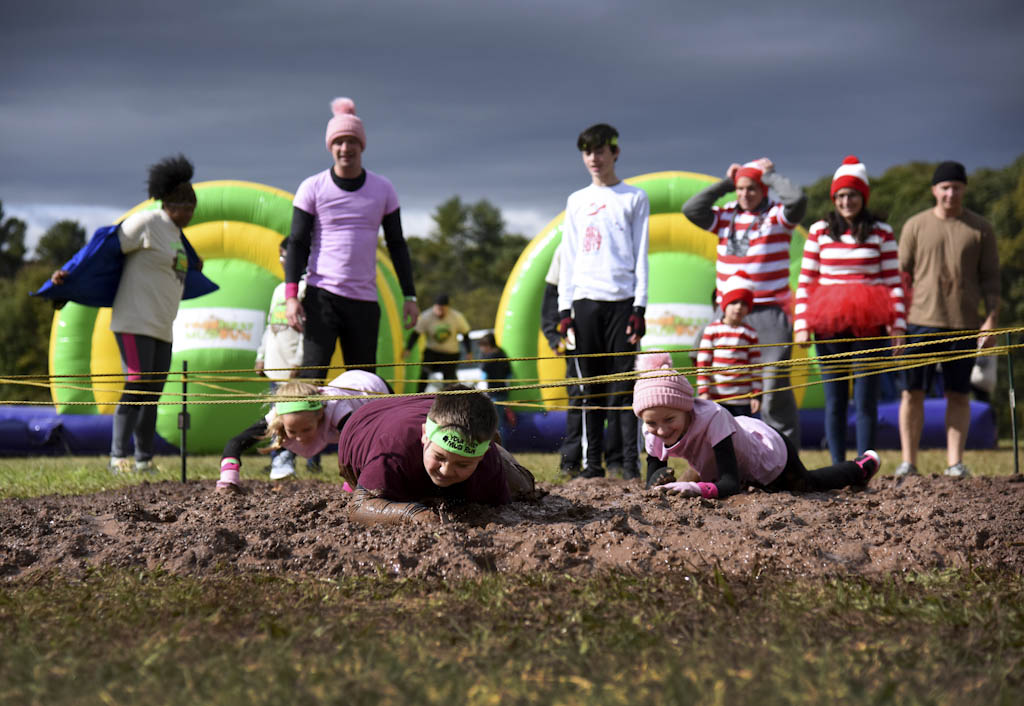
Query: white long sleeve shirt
[604, 245]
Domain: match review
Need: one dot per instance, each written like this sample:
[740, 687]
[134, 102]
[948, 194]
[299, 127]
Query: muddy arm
[371, 510]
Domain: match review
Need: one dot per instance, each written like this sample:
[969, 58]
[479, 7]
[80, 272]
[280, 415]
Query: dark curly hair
[169, 180]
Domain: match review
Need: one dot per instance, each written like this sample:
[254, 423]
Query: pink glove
[691, 490]
[685, 488]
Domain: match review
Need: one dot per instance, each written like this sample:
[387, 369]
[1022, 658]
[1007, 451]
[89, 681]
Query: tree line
[469, 254]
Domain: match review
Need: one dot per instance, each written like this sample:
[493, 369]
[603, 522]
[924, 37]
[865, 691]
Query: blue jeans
[837, 395]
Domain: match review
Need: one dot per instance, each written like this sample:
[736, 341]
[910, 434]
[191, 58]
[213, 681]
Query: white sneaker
[146, 467]
[958, 470]
[282, 466]
[120, 465]
[905, 469]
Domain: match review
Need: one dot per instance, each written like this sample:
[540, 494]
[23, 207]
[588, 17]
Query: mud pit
[581, 528]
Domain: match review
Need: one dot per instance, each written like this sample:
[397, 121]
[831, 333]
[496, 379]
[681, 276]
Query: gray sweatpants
[778, 409]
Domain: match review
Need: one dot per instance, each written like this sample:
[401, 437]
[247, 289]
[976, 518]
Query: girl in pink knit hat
[728, 453]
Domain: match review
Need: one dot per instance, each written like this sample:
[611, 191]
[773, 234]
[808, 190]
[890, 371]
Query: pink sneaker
[869, 463]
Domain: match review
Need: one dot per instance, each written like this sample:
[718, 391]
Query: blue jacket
[95, 271]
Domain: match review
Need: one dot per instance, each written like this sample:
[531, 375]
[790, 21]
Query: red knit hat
[737, 287]
[752, 171]
[851, 175]
[345, 122]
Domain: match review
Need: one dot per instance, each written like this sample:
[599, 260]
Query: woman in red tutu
[849, 289]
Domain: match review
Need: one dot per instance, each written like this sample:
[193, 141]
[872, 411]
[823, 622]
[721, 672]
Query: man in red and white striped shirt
[729, 344]
[754, 234]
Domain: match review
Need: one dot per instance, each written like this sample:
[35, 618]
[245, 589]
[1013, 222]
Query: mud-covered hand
[685, 488]
[565, 323]
[636, 326]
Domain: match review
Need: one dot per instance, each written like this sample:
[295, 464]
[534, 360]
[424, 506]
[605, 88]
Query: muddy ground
[584, 527]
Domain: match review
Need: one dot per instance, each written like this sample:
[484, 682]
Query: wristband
[291, 290]
[708, 490]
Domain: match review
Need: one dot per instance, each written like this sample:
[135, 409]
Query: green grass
[149, 638]
[76, 475]
[129, 637]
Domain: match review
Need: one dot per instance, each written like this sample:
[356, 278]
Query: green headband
[450, 439]
[298, 406]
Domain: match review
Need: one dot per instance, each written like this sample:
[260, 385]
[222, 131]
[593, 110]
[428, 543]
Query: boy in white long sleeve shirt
[602, 290]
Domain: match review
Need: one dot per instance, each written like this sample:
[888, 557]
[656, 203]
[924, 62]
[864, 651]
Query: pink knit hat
[345, 122]
[851, 175]
[752, 171]
[660, 389]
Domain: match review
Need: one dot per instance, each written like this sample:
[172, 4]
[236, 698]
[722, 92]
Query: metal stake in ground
[183, 420]
[1013, 404]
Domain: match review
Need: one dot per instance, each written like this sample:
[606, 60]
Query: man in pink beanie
[336, 216]
[754, 233]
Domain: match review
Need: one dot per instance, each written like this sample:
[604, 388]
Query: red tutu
[859, 308]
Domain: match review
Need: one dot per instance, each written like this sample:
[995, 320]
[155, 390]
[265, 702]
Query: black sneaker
[631, 473]
[570, 471]
[592, 472]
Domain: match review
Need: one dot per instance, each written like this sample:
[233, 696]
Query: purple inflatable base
[40, 431]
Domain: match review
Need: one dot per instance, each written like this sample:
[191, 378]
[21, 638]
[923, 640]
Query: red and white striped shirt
[830, 261]
[720, 347]
[766, 261]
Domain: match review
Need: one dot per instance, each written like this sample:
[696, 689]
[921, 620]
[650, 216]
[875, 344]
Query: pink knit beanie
[852, 174]
[345, 122]
[660, 389]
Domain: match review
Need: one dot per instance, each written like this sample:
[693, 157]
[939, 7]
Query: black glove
[637, 324]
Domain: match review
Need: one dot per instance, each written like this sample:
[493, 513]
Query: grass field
[75, 475]
[150, 637]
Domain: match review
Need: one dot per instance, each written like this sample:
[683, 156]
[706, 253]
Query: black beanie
[949, 171]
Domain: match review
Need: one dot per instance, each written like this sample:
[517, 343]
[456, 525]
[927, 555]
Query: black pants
[331, 318]
[145, 361]
[448, 370]
[796, 477]
[601, 328]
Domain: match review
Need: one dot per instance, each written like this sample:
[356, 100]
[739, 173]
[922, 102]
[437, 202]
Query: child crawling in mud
[304, 426]
[400, 453]
[728, 453]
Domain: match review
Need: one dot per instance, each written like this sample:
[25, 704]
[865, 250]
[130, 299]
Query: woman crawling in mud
[401, 452]
[728, 453]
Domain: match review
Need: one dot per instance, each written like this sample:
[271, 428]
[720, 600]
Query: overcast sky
[485, 99]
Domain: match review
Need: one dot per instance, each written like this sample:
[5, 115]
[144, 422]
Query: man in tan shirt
[951, 257]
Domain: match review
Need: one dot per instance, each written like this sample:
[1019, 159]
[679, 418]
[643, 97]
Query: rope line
[844, 366]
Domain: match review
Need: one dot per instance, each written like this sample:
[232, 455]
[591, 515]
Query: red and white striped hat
[852, 174]
[752, 171]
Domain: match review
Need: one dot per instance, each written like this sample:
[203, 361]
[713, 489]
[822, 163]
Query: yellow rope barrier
[865, 362]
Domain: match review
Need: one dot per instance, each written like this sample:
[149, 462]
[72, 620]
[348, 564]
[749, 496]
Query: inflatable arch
[236, 229]
[682, 279]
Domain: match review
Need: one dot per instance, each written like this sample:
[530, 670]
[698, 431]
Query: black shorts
[956, 374]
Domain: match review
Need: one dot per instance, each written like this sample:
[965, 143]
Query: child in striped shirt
[726, 348]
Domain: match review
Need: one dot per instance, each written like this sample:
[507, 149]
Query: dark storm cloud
[484, 99]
